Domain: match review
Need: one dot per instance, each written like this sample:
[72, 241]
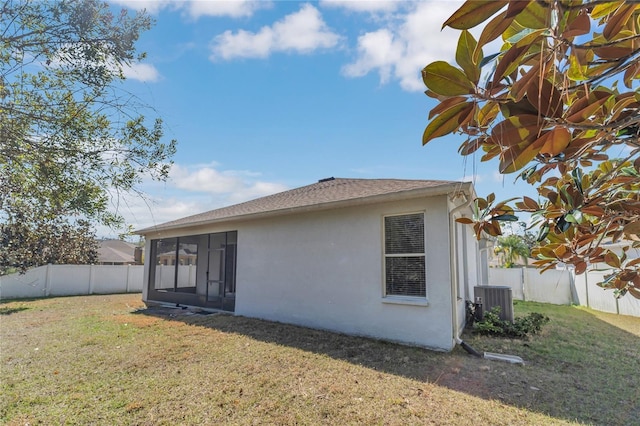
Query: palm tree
[512, 247]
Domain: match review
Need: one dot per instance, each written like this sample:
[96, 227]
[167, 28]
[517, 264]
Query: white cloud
[198, 8]
[362, 5]
[379, 50]
[151, 6]
[234, 186]
[234, 9]
[303, 32]
[400, 51]
[141, 72]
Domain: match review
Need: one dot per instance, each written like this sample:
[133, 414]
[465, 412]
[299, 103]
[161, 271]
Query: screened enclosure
[196, 270]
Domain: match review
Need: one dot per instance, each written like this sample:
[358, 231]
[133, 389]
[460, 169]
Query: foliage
[559, 104]
[520, 328]
[512, 247]
[30, 241]
[71, 139]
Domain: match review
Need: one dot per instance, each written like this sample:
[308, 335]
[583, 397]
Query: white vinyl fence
[71, 280]
[563, 287]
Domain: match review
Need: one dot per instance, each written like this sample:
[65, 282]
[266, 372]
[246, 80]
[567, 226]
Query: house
[118, 252]
[382, 258]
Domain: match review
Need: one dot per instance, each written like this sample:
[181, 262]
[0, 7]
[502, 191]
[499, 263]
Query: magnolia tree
[558, 106]
[71, 138]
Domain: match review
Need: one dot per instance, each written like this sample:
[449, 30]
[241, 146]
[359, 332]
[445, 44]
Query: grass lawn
[107, 360]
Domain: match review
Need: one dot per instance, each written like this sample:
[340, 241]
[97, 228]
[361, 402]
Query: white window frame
[397, 298]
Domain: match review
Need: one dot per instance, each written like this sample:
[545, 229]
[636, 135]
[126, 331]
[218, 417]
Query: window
[404, 255]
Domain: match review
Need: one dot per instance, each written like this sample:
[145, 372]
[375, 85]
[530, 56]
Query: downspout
[452, 267]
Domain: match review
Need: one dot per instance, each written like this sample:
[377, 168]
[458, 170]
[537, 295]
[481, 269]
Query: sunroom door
[221, 271]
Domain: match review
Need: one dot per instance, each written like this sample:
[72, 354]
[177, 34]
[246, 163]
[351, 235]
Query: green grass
[107, 360]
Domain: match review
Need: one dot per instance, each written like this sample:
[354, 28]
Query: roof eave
[433, 191]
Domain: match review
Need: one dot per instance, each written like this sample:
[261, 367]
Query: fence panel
[69, 280]
[72, 280]
[110, 279]
[25, 286]
[563, 287]
[511, 277]
[553, 286]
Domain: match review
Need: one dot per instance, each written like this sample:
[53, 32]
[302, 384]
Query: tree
[71, 139]
[28, 242]
[512, 247]
[559, 106]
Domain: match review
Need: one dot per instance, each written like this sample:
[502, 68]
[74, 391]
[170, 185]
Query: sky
[265, 96]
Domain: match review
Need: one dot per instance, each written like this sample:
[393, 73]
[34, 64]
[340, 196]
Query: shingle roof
[325, 193]
[115, 251]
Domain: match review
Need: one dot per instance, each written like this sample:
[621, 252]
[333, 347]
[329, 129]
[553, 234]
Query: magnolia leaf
[618, 20]
[505, 217]
[523, 107]
[534, 16]
[492, 152]
[447, 122]
[543, 232]
[465, 56]
[515, 7]
[581, 25]
[582, 110]
[632, 73]
[473, 12]
[603, 9]
[544, 96]
[465, 220]
[520, 87]
[487, 113]
[574, 216]
[555, 141]
[470, 146]
[515, 158]
[612, 259]
[513, 57]
[446, 104]
[528, 204]
[515, 130]
[577, 71]
[494, 29]
[593, 211]
[580, 267]
[445, 79]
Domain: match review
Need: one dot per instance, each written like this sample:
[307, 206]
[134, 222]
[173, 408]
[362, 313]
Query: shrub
[521, 328]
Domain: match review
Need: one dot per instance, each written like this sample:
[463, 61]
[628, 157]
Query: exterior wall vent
[490, 296]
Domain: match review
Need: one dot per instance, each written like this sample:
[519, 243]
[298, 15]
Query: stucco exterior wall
[324, 269]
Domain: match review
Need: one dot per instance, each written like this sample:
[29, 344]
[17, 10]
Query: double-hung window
[404, 255]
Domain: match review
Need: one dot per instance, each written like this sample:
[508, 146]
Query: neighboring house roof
[115, 251]
[326, 193]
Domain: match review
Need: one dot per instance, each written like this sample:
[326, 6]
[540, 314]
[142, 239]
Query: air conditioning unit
[490, 296]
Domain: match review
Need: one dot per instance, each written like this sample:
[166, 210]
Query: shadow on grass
[12, 310]
[579, 368]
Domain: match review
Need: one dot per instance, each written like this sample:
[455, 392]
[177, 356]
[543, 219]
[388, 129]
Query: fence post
[91, 279]
[127, 288]
[47, 281]
[586, 286]
[523, 279]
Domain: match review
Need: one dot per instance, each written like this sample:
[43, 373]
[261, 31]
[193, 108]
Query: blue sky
[267, 96]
